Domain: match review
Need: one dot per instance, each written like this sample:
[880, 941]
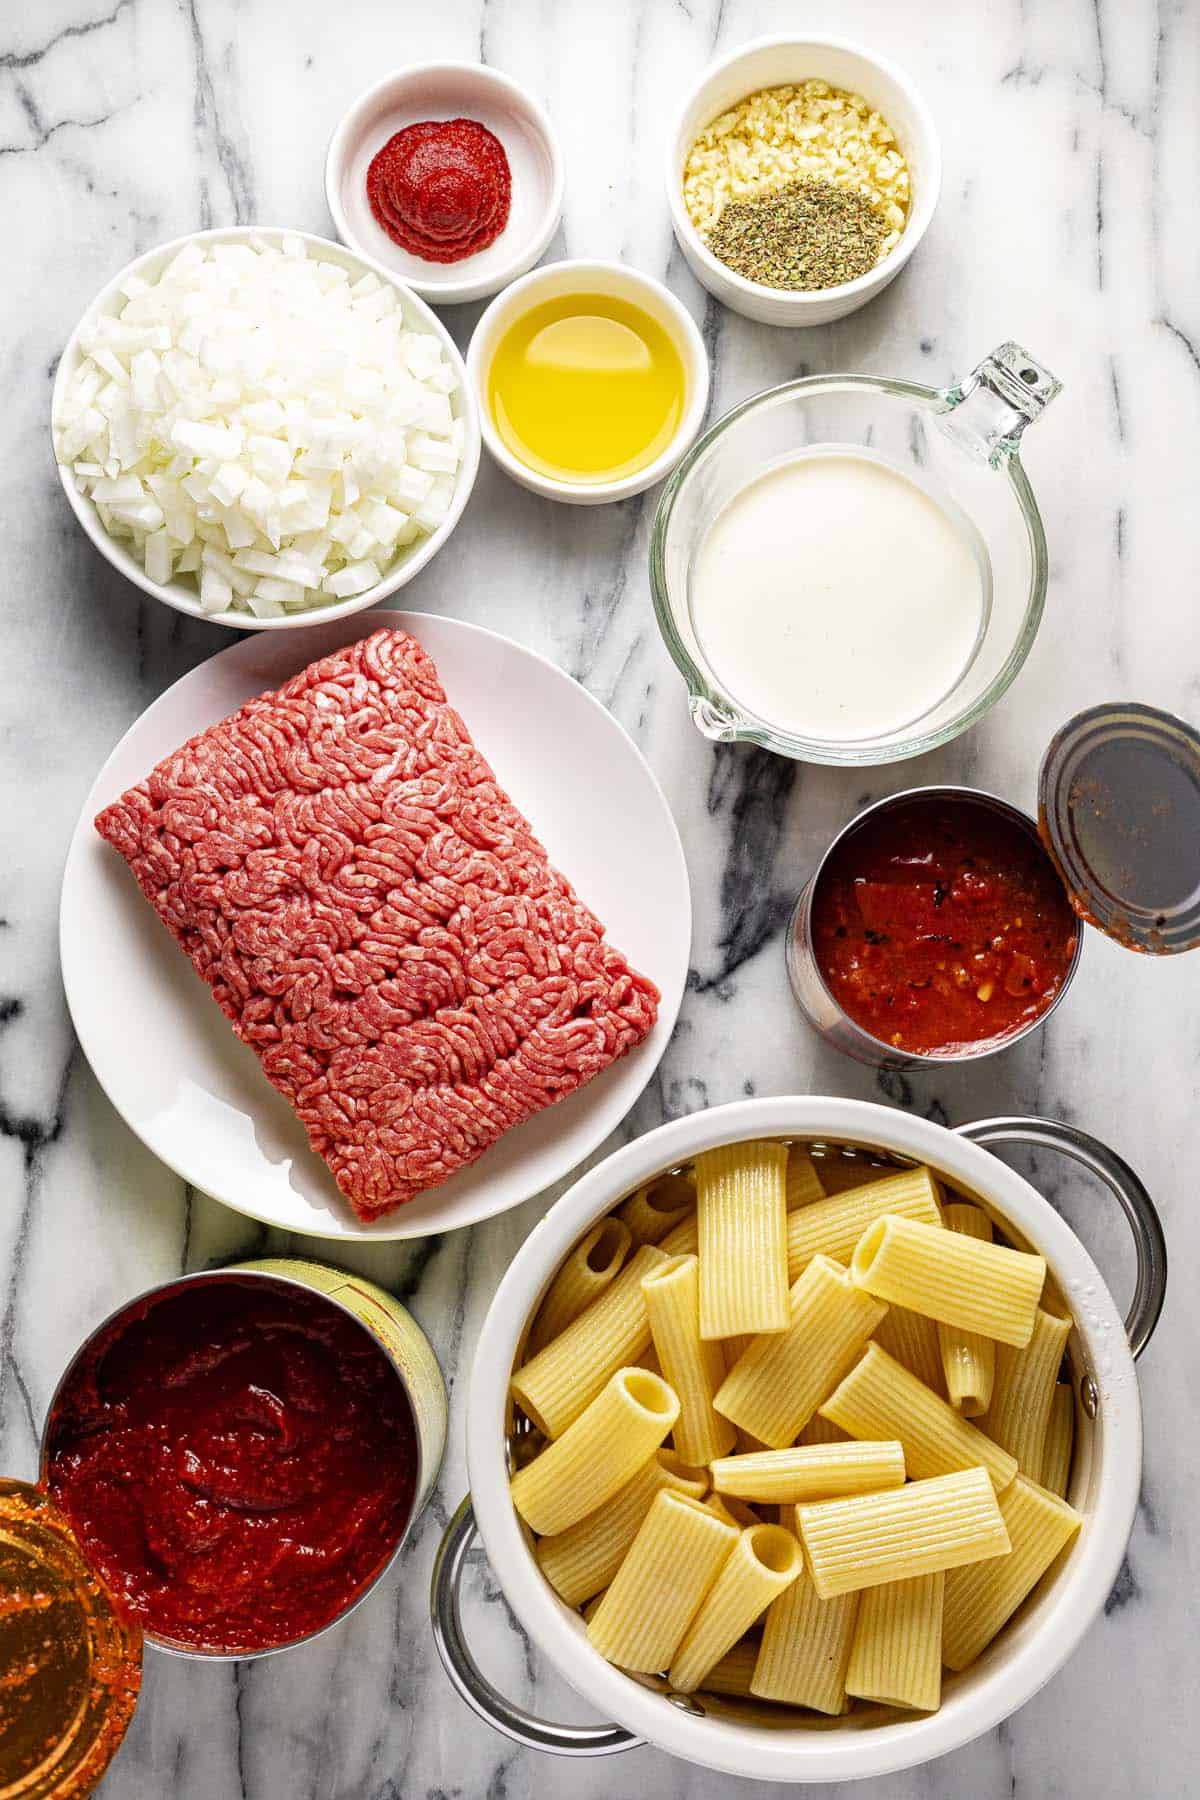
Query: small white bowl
[449, 90]
[182, 594]
[786, 62]
[580, 277]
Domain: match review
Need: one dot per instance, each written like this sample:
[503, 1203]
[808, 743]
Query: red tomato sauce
[941, 924]
[441, 189]
[237, 1459]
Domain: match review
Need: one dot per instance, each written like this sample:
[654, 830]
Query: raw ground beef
[377, 920]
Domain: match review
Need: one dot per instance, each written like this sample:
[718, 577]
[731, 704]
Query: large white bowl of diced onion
[263, 428]
[1000, 1639]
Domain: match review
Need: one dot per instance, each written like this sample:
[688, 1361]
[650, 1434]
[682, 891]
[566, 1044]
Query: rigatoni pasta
[958, 1280]
[832, 1227]
[913, 1340]
[968, 1359]
[1024, 1388]
[805, 1648]
[815, 1472]
[902, 1532]
[896, 1656]
[803, 1179]
[694, 1366]
[735, 1671]
[775, 1387]
[980, 1600]
[764, 1561]
[583, 1559]
[649, 1214]
[598, 1453]
[741, 1213]
[879, 1399]
[671, 1565]
[555, 1386]
[591, 1267]
[1060, 1440]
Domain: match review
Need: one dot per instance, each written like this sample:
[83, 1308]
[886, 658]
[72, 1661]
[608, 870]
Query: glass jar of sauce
[943, 924]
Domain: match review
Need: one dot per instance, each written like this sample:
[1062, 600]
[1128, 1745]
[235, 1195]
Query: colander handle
[1149, 1243]
[473, 1686]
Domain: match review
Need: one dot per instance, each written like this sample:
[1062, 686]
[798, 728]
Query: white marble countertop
[1067, 221]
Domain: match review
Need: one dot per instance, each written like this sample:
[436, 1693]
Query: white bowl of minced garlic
[801, 175]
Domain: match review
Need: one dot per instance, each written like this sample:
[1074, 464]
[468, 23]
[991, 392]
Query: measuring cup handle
[473, 1685]
[1149, 1243]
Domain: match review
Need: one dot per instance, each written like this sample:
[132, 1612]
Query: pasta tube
[672, 1563]
[803, 1180]
[554, 1386]
[879, 1399]
[693, 1365]
[820, 1431]
[968, 1360]
[775, 1387]
[805, 1648]
[1060, 1436]
[652, 1211]
[733, 1511]
[902, 1532]
[817, 1472]
[1024, 1390]
[913, 1340]
[735, 1671]
[741, 1213]
[597, 1454]
[593, 1263]
[764, 1560]
[682, 1239]
[832, 1227]
[896, 1657]
[582, 1560]
[841, 1173]
[980, 1600]
[952, 1278]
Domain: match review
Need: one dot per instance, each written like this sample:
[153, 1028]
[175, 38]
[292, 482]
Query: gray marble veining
[1071, 139]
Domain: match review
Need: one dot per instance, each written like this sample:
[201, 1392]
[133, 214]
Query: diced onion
[256, 423]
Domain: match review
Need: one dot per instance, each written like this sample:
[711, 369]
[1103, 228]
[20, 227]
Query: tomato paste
[941, 924]
[237, 1458]
[441, 189]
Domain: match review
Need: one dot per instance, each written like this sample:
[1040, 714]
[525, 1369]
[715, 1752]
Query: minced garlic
[781, 135]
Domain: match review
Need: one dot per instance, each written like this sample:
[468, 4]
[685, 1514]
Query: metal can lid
[1119, 811]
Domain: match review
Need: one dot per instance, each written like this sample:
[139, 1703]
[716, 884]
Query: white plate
[168, 1060]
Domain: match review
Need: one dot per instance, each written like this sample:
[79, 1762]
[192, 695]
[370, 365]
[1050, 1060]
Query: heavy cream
[836, 599]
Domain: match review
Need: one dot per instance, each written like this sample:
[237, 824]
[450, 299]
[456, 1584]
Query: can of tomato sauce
[943, 924]
[241, 1453]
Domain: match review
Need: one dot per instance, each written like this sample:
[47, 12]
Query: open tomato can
[943, 924]
[230, 1464]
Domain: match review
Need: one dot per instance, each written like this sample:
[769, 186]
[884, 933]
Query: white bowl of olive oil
[592, 381]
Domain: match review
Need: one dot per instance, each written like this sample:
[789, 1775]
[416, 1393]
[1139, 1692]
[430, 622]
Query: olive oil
[586, 388]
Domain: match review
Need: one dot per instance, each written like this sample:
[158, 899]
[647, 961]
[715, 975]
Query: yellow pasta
[592, 1265]
[775, 1387]
[682, 1239]
[672, 1563]
[598, 1453]
[652, 1211]
[880, 1399]
[980, 1600]
[896, 1657]
[841, 1173]
[582, 1560]
[742, 1217]
[554, 1386]
[913, 1340]
[763, 1561]
[694, 1366]
[1060, 1437]
[832, 1227]
[735, 1671]
[819, 1430]
[592, 1608]
[1024, 1388]
[734, 1512]
[803, 1181]
[733, 1347]
[902, 1532]
[805, 1648]
[968, 1360]
[816, 1472]
[952, 1278]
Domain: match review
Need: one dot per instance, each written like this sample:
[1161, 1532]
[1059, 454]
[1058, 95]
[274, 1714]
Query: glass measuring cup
[960, 444]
